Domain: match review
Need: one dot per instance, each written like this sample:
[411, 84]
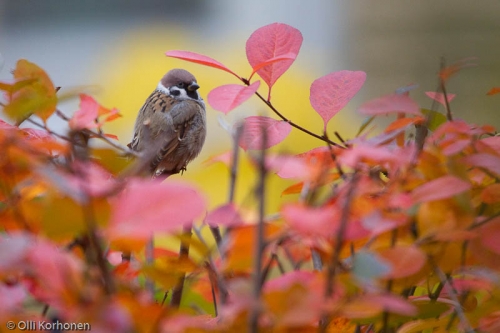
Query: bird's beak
[193, 86]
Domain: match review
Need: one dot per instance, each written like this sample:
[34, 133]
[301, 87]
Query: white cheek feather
[182, 93]
[162, 88]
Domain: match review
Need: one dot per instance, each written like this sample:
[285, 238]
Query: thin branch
[210, 266]
[483, 222]
[268, 266]
[260, 241]
[339, 241]
[183, 254]
[443, 89]
[48, 130]
[453, 295]
[300, 128]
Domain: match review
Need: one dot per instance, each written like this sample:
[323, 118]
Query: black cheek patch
[192, 94]
[175, 92]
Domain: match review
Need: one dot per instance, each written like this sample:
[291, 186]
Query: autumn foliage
[391, 231]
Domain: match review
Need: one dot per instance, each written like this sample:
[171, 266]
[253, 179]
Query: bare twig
[215, 278]
[183, 254]
[300, 128]
[443, 89]
[259, 238]
[453, 295]
[339, 241]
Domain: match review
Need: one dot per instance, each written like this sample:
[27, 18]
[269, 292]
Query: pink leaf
[390, 104]
[287, 56]
[366, 306]
[331, 93]
[439, 97]
[199, 59]
[146, 207]
[277, 131]
[482, 160]
[11, 299]
[492, 141]
[65, 279]
[288, 280]
[489, 235]
[224, 158]
[311, 221]
[393, 303]
[271, 42]
[288, 166]
[225, 215]
[87, 115]
[37, 134]
[227, 97]
[440, 188]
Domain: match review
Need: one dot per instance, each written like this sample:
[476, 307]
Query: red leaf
[147, 207]
[271, 42]
[89, 112]
[227, 97]
[439, 97]
[440, 188]
[487, 161]
[493, 91]
[331, 93]
[225, 215]
[86, 116]
[390, 104]
[199, 59]
[277, 131]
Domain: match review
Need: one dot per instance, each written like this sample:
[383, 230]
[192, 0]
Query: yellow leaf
[38, 97]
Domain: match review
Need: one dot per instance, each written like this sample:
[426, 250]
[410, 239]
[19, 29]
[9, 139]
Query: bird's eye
[181, 85]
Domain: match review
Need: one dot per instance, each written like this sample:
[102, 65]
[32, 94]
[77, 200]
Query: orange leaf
[403, 122]
[451, 70]
[491, 194]
[493, 91]
[404, 260]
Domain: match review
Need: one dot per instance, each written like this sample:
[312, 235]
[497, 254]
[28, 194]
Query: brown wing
[171, 154]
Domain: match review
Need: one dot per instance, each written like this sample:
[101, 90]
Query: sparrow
[170, 129]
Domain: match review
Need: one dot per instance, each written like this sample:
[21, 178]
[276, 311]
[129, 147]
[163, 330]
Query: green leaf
[368, 266]
[436, 119]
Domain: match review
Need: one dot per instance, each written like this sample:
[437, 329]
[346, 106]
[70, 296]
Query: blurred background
[117, 48]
